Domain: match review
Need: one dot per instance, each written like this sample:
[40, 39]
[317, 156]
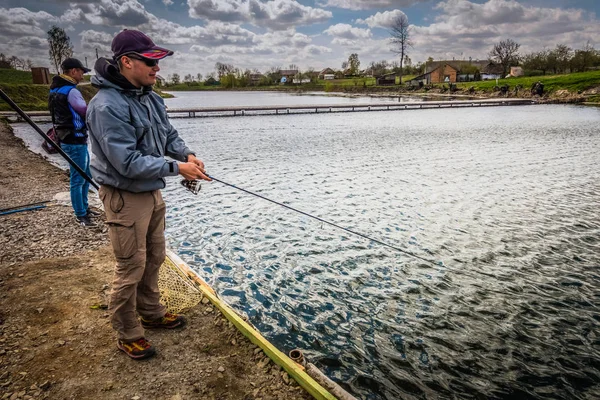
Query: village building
[452, 71]
[443, 73]
[386, 80]
[516, 71]
[160, 81]
[287, 75]
[330, 73]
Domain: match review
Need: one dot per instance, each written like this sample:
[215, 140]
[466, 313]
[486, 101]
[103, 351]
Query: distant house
[210, 81]
[160, 81]
[287, 75]
[491, 71]
[326, 71]
[443, 73]
[516, 71]
[386, 80]
[329, 77]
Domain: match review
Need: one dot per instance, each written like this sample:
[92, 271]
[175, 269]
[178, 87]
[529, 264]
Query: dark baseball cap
[132, 41]
[71, 63]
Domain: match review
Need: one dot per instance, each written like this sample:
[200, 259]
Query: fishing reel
[192, 185]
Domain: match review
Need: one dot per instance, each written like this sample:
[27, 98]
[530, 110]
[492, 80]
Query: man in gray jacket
[131, 135]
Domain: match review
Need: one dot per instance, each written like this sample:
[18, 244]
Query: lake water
[504, 200]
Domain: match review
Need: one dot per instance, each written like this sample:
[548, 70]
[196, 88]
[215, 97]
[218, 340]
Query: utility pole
[86, 62]
[97, 53]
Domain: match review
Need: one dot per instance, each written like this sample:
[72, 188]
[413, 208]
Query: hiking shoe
[92, 214]
[86, 222]
[138, 350]
[169, 321]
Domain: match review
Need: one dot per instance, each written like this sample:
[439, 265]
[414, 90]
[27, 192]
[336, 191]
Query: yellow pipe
[296, 371]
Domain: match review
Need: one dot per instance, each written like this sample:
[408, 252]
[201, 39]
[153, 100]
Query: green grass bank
[19, 87]
[576, 83]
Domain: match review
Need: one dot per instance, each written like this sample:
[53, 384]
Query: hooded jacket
[130, 134]
[68, 118]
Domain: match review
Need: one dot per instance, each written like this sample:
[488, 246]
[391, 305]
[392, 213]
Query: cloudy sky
[309, 33]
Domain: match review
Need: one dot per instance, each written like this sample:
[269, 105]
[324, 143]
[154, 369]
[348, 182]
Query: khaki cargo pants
[136, 226]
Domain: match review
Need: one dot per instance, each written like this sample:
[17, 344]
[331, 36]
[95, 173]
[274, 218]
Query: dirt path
[56, 343]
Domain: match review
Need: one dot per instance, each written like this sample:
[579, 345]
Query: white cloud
[92, 40]
[17, 22]
[345, 31]
[369, 4]
[382, 19]
[167, 2]
[468, 29]
[272, 14]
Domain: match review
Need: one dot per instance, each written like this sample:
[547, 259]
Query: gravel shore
[55, 338]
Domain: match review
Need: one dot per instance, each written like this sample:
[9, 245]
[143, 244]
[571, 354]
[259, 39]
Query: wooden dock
[203, 112]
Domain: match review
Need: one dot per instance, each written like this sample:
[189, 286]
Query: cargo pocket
[122, 237]
[157, 235]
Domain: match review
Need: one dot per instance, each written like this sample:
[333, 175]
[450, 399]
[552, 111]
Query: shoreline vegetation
[579, 87]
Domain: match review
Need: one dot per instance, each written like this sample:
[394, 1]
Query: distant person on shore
[131, 135]
[68, 109]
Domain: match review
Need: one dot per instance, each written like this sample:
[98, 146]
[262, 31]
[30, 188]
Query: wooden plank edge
[296, 371]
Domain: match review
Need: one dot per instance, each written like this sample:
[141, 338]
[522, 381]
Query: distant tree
[401, 42]
[354, 64]
[228, 80]
[188, 79]
[28, 64]
[273, 74]
[535, 61]
[560, 57]
[505, 53]
[60, 46]
[176, 79]
[199, 77]
[310, 74]
[584, 58]
[14, 62]
[224, 69]
[293, 66]
[379, 68]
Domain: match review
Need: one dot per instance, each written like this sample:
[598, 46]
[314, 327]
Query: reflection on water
[505, 199]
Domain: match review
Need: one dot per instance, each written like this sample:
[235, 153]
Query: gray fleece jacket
[130, 135]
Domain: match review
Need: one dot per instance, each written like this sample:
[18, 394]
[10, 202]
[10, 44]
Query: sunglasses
[148, 61]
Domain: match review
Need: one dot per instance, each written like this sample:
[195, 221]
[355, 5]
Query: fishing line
[187, 184]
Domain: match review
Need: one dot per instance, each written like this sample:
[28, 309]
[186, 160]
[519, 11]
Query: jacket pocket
[122, 237]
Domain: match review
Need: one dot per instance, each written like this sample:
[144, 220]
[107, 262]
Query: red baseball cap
[132, 41]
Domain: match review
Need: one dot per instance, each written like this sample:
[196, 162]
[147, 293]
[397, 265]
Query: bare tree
[400, 33]
[505, 53]
[60, 46]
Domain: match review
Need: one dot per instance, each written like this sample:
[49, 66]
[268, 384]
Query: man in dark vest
[68, 109]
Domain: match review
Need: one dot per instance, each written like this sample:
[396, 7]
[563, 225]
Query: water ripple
[505, 200]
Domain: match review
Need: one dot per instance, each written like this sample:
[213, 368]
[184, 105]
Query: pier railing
[200, 112]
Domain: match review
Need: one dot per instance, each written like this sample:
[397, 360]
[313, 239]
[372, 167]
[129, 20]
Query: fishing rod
[55, 145]
[194, 187]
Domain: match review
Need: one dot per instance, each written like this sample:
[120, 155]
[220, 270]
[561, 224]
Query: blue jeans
[79, 186]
